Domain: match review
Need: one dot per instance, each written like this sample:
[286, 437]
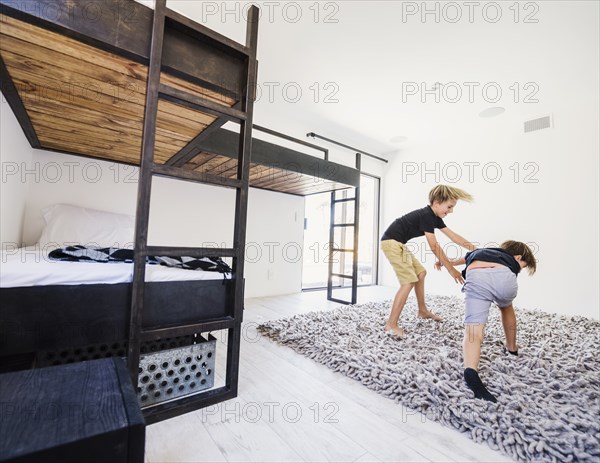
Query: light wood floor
[290, 408]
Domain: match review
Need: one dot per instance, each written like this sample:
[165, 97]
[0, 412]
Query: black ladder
[148, 169]
[340, 249]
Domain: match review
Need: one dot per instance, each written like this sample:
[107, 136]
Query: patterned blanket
[80, 253]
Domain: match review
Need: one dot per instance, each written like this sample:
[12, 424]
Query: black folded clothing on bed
[79, 253]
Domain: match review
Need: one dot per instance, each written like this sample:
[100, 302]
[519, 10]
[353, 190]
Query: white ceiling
[360, 55]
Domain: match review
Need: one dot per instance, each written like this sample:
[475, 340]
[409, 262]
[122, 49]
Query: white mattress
[32, 267]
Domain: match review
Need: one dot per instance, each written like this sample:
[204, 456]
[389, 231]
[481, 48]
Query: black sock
[511, 352]
[475, 384]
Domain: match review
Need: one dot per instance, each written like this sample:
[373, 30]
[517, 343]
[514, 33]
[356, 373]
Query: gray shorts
[484, 286]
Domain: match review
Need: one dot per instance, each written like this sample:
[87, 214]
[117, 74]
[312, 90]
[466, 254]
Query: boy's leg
[472, 345]
[424, 312]
[472, 352]
[401, 260]
[477, 306]
[392, 324]
[509, 323]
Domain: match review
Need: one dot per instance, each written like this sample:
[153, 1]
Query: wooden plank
[192, 175]
[37, 81]
[220, 165]
[94, 59]
[293, 182]
[128, 128]
[95, 87]
[79, 131]
[198, 163]
[176, 128]
[282, 180]
[106, 120]
[264, 177]
[211, 162]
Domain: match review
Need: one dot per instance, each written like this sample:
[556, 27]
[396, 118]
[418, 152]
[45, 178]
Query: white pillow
[68, 225]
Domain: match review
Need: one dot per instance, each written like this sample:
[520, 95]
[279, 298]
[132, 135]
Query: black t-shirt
[496, 255]
[413, 224]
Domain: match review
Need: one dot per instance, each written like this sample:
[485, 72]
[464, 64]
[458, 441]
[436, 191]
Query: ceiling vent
[538, 124]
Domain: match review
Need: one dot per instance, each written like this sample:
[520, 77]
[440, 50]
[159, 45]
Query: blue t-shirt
[496, 255]
[413, 224]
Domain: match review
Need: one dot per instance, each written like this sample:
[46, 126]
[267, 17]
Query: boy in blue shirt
[490, 276]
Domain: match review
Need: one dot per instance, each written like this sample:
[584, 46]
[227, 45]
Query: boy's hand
[438, 265]
[457, 276]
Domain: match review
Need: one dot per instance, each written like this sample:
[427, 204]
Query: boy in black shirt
[490, 276]
[409, 271]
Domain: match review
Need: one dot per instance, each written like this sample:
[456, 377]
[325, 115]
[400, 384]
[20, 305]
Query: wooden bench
[77, 412]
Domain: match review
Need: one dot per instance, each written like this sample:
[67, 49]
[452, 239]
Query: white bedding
[32, 267]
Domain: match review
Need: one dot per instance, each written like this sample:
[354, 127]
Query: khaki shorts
[405, 264]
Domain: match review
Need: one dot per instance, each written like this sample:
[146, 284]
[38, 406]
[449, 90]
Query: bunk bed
[121, 82]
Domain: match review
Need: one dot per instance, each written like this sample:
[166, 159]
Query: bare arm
[457, 239]
[439, 253]
[454, 262]
[458, 261]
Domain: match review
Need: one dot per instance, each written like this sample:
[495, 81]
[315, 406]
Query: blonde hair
[516, 248]
[442, 193]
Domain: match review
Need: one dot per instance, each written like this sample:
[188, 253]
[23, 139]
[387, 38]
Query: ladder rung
[343, 200]
[182, 330]
[200, 104]
[344, 225]
[342, 250]
[190, 252]
[341, 275]
[178, 172]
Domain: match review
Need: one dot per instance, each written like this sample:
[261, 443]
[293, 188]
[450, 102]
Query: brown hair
[442, 193]
[516, 248]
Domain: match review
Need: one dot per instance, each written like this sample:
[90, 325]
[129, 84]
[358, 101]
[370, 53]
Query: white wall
[182, 213]
[274, 243]
[15, 160]
[553, 203]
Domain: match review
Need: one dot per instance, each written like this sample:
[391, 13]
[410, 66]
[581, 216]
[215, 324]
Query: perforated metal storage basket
[169, 368]
[177, 372]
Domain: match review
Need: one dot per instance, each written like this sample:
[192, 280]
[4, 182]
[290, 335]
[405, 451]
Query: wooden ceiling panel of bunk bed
[213, 164]
[87, 101]
[273, 167]
[286, 181]
[263, 176]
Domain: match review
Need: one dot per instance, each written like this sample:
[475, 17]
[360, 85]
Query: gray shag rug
[548, 397]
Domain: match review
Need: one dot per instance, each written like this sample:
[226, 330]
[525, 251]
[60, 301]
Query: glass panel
[368, 244]
[344, 212]
[343, 237]
[342, 263]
